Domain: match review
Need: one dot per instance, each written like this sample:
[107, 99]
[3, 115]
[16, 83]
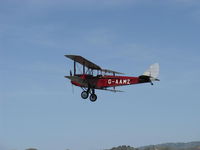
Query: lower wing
[111, 90]
[76, 79]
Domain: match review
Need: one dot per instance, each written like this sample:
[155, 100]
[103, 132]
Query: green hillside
[166, 146]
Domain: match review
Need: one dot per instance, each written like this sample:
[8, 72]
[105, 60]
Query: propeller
[70, 73]
[72, 88]
[71, 83]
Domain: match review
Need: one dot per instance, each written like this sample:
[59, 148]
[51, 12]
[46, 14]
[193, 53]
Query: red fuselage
[100, 82]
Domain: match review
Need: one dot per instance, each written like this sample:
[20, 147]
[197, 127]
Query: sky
[38, 107]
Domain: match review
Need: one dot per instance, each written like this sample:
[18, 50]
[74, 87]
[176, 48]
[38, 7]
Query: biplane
[94, 77]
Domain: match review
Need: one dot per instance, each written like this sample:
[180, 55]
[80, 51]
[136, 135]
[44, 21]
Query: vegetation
[123, 147]
[168, 146]
[31, 149]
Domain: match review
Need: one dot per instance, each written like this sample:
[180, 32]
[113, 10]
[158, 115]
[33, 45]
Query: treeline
[167, 146]
[124, 147]
[178, 146]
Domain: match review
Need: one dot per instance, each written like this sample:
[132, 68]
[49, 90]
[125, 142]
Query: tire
[93, 97]
[84, 95]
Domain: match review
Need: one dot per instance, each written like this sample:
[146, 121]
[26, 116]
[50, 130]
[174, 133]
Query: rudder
[152, 72]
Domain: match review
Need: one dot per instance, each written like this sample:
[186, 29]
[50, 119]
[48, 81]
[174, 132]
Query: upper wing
[83, 61]
[89, 64]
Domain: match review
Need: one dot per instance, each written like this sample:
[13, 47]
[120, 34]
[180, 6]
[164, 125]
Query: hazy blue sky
[37, 106]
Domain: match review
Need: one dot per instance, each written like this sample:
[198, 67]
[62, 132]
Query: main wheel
[93, 97]
[84, 95]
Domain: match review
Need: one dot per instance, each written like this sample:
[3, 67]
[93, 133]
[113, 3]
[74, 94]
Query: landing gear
[93, 97]
[85, 94]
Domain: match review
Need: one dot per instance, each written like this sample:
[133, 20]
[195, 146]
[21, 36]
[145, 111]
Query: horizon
[139, 146]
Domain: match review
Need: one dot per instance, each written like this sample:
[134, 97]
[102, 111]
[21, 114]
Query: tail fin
[152, 72]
